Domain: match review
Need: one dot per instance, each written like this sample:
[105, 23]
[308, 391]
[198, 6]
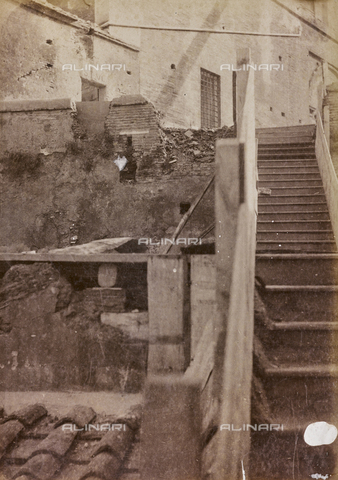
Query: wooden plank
[226, 204]
[168, 307]
[202, 296]
[74, 258]
[170, 435]
[133, 324]
[188, 214]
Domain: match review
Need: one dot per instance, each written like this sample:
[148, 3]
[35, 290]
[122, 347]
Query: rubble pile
[185, 152]
[198, 145]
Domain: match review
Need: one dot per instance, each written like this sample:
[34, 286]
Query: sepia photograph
[169, 239]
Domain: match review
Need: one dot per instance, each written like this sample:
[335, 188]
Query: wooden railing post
[171, 431]
[168, 307]
[236, 210]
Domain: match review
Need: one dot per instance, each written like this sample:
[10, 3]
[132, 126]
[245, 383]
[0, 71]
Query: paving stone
[40, 467]
[57, 443]
[28, 415]
[105, 466]
[8, 432]
[116, 442]
[78, 415]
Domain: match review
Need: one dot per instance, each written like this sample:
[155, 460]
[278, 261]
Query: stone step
[301, 303]
[291, 199]
[303, 147]
[286, 162]
[293, 225]
[300, 269]
[285, 455]
[280, 190]
[297, 206]
[294, 215]
[286, 169]
[283, 176]
[300, 235]
[287, 155]
[311, 246]
[276, 182]
[302, 347]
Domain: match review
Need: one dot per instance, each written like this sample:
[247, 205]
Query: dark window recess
[184, 207]
[283, 114]
[210, 99]
[91, 92]
[128, 174]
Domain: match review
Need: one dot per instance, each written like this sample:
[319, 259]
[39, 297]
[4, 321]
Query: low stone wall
[34, 126]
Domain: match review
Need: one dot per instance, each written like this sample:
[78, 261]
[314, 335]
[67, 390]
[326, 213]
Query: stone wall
[36, 126]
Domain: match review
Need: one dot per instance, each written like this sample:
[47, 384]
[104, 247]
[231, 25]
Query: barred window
[210, 99]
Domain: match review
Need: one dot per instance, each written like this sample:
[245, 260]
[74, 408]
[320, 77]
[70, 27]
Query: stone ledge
[129, 100]
[35, 105]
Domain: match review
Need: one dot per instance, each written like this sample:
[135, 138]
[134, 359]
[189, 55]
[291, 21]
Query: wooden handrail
[328, 174]
[236, 210]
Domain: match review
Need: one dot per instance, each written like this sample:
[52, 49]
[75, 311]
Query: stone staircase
[296, 336]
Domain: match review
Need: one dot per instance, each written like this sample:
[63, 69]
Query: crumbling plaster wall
[170, 61]
[34, 47]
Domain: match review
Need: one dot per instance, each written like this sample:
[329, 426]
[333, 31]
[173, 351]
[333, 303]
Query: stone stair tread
[306, 325]
[301, 288]
[295, 222]
[300, 371]
[298, 256]
[298, 241]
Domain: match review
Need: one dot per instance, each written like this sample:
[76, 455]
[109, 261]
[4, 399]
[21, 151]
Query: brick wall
[133, 116]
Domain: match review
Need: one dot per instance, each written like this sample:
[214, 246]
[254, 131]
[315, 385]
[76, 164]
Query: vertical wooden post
[227, 198]
[171, 431]
[235, 256]
[203, 296]
[168, 306]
